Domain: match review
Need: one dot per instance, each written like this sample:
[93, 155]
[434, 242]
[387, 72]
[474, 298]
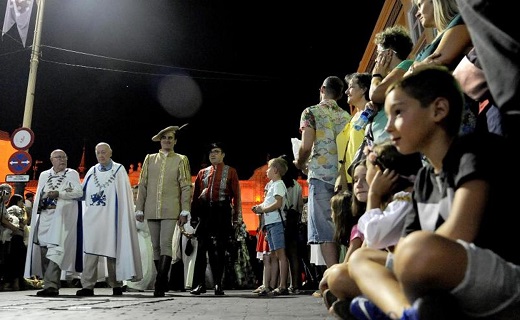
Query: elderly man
[54, 238]
[109, 225]
[163, 199]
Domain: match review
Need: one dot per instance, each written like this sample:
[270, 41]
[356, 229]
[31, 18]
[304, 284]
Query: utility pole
[31, 84]
[35, 54]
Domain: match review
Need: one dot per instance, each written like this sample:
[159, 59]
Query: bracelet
[377, 75]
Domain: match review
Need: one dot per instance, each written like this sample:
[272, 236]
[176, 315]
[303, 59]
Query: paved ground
[236, 304]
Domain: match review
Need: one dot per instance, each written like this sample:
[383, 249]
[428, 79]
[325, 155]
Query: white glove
[139, 216]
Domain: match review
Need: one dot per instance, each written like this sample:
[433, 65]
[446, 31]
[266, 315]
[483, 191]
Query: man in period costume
[216, 204]
[163, 199]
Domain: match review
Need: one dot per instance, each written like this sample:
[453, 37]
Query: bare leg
[367, 268]
[283, 266]
[426, 263]
[267, 270]
[337, 279]
[275, 271]
[329, 250]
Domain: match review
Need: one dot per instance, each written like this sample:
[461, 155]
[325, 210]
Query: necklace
[51, 185]
[100, 185]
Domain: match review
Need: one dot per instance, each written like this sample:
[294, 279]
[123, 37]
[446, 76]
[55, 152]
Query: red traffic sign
[19, 162]
[22, 138]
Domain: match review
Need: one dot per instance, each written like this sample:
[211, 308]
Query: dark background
[119, 71]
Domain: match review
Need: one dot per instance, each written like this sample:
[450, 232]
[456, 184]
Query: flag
[19, 12]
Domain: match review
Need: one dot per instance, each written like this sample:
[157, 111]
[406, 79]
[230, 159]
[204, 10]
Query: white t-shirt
[274, 188]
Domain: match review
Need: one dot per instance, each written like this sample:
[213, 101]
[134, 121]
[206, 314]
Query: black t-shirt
[473, 156]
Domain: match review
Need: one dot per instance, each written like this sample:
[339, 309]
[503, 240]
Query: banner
[19, 12]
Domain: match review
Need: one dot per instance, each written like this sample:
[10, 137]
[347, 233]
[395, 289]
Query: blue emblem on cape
[98, 199]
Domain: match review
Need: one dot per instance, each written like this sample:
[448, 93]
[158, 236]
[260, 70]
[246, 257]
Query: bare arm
[454, 43]
[308, 137]
[386, 62]
[466, 212]
[378, 87]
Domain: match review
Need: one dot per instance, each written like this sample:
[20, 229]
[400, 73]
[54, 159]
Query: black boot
[216, 255]
[161, 281]
[218, 290]
[156, 264]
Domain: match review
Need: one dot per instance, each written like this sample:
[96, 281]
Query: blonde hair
[279, 164]
[443, 12]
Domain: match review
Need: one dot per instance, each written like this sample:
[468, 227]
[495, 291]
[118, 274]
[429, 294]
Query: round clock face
[22, 138]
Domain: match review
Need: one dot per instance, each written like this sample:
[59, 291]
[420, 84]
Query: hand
[382, 183]
[324, 285]
[53, 194]
[182, 221]
[383, 60]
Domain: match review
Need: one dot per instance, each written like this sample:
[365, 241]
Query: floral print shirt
[327, 119]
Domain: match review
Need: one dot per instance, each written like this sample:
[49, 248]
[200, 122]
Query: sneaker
[364, 309]
[259, 289]
[340, 309]
[280, 292]
[434, 306]
[328, 298]
[265, 291]
[85, 292]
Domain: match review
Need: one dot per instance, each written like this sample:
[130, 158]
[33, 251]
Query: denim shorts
[320, 226]
[275, 236]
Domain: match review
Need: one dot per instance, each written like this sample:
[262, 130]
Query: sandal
[317, 294]
[265, 291]
[259, 289]
[280, 292]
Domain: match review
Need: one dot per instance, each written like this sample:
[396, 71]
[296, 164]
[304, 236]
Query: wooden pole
[29, 97]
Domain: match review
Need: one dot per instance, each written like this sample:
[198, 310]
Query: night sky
[119, 71]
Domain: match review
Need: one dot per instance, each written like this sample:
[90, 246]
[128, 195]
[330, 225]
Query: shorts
[320, 225]
[275, 236]
[490, 284]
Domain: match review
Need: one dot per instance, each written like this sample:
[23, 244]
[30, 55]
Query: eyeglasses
[59, 157]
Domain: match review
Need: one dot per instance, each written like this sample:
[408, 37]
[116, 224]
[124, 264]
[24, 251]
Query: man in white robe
[54, 243]
[109, 225]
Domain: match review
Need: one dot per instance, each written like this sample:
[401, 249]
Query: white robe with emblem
[109, 227]
[57, 228]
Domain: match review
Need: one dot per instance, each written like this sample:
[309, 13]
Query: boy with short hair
[272, 208]
[453, 248]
